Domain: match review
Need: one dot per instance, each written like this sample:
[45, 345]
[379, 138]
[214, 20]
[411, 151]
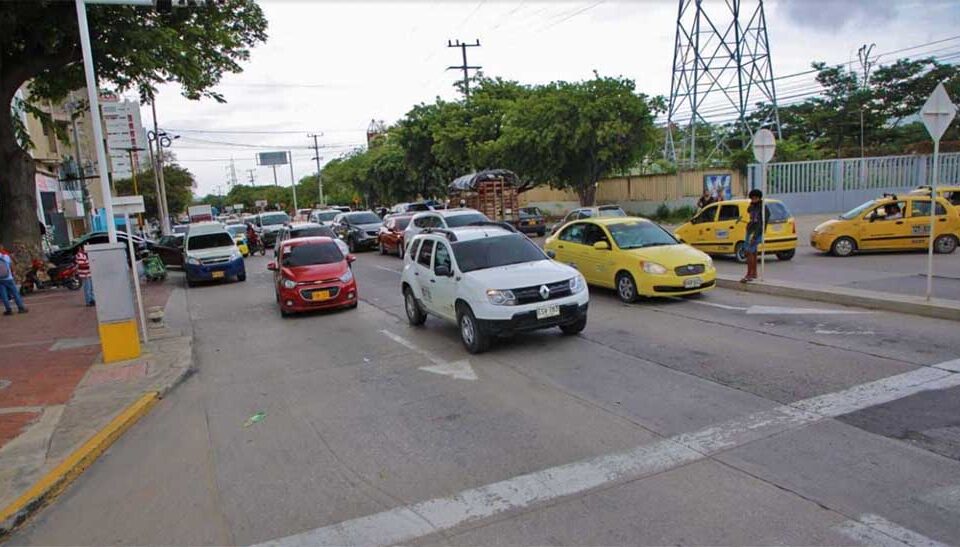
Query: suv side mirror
[272, 266]
[601, 246]
[442, 270]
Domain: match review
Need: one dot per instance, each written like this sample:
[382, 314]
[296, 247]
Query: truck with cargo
[200, 213]
[492, 192]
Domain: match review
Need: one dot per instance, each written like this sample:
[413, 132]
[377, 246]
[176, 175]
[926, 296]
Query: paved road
[727, 419]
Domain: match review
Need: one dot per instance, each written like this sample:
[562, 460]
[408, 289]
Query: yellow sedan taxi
[890, 223]
[721, 228]
[239, 233]
[632, 255]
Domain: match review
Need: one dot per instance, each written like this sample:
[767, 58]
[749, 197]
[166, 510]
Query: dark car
[95, 238]
[360, 229]
[170, 249]
[532, 221]
[391, 234]
[269, 225]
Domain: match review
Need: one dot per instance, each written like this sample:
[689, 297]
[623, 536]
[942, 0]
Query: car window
[493, 252]
[442, 257]
[310, 254]
[363, 217]
[462, 220]
[571, 216]
[777, 212]
[637, 234]
[921, 208]
[401, 223]
[209, 241]
[729, 212]
[426, 249]
[855, 212]
[706, 215]
[421, 222]
[273, 219]
[325, 216]
[585, 213]
[573, 233]
[890, 211]
[611, 212]
[310, 231]
[593, 234]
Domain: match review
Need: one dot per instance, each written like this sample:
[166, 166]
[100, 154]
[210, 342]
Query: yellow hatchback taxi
[632, 255]
[721, 228]
[890, 223]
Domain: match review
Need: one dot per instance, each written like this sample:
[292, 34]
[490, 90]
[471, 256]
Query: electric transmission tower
[722, 71]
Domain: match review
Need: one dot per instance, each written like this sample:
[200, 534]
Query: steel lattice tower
[723, 56]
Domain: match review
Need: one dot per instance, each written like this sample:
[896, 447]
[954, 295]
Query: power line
[263, 132]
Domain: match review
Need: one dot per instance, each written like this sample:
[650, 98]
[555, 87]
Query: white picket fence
[833, 186]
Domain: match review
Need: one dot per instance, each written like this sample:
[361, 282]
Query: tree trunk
[19, 225]
[587, 194]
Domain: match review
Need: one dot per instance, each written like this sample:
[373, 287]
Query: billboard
[271, 158]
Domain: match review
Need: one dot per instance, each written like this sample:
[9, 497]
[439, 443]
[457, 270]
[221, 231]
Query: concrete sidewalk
[61, 406]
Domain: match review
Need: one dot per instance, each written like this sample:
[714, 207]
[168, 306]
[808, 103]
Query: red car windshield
[312, 254]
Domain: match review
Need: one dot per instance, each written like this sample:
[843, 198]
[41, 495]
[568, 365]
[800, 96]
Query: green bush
[663, 212]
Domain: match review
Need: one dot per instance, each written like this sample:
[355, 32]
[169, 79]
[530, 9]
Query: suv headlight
[193, 261]
[653, 268]
[501, 297]
[577, 284]
[289, 283]
[235, 253]
[347, 277]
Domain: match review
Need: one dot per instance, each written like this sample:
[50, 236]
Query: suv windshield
[312, 231]
[209, 241]
[492, 252]
[402, 222]
[365, 217]
[326, 216]
[530, 212]
[638, 234]
[274, 218]
[418, 207]
[456, 221]
[854, 213]
[610, 212]
[308, 255]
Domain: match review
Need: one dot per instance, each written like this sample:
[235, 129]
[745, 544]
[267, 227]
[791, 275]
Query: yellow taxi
[721, 228]
[890, 223]
[633, 255]
[239, 233]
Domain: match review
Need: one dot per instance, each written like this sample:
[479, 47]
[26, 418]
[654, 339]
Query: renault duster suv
[490, 280]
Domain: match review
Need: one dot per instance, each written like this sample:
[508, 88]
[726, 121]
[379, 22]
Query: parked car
[635, 256]
[324, 216]
[532, 221]
[360, 229]
[308, 229]
[239, 233]
[721, 228]
[589, 212]
[490, 280]
[890, 223]
[391, 236]
[211, 254]
[170, 250]
[447, 218]
[95, 238]
[312, 273]
[269, 225]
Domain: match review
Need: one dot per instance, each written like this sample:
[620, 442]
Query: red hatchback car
[313, 274]
[391, 234]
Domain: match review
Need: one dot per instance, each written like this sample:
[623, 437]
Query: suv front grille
[529, 295]
[690, 269]
[215, 260]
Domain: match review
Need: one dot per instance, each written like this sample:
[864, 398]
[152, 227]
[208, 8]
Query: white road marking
[716, 305]
[786, 310]
[876, 530]
[384, 268]
[953, 366]
[404, 524]
[461, 370]
[845, 332]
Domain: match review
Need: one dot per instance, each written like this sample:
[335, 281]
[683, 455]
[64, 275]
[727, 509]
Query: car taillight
[793, 227]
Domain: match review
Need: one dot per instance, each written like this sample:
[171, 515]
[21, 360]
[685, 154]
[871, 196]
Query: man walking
[754, 233]
[83, 272]
[8, 287]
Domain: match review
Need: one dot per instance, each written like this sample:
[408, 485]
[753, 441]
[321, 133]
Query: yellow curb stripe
[54, 482]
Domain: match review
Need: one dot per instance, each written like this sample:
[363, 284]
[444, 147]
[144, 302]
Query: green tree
[134, 48]
[178, 182]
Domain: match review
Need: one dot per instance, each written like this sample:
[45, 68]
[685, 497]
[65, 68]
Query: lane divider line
[875, 530]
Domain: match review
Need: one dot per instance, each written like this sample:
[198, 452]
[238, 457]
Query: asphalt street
[731, 418]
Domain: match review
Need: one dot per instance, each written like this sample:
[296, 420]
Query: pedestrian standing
[705, 199]
[755, 231]
[83, 272]
[8, 287]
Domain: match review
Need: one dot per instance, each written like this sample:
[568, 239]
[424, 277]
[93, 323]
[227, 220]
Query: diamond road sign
[938, 112]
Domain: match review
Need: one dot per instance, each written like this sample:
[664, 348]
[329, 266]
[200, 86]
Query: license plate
[216, 275]
[547, 312]
[775, 227]
[320, 295]
[692, 283]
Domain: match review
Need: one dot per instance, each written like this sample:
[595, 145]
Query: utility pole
[316, 151]
[158, 169]
[865, 64]
[466, 68]
[251, 176]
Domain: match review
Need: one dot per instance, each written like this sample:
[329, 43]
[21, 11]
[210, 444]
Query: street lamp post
[163, 140]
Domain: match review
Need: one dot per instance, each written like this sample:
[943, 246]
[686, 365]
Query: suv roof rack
[449, 234]
[505, 225]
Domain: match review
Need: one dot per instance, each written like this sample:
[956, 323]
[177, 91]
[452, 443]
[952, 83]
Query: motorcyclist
[253, 239]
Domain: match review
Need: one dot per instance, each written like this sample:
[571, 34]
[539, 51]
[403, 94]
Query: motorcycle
[43, 275]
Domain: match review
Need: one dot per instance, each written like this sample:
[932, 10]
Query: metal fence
[833, 186]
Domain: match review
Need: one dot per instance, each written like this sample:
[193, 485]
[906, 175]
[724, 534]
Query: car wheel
[786, 255]
[242, 276]
[191, 283]
[843, 246]
[541, 233]
[472, 336]
[739, 253]
[576, 327]
[415, 314]
[945, 244]
[626, 287]
[283, 312]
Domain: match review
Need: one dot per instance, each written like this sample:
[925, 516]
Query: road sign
[764, 145]
[238, 207]
[261, 203]
[938, 112]
[128, 205]
[272, 158]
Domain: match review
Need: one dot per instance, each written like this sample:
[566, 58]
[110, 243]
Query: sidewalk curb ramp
[938, 308]
[55, 481]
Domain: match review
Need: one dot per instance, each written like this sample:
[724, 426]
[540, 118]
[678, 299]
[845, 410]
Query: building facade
[126, 137]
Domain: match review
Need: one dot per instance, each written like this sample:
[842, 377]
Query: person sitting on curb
[8, 287]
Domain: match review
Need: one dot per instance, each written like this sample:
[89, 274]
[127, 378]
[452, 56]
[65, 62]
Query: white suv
[490, 280]
[445, 218]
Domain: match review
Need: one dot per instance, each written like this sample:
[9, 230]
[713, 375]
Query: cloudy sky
[330, 67]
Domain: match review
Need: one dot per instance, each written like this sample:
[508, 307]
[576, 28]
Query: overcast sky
[331, 67]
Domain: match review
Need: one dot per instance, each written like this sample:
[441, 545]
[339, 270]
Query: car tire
[415, 314]
[541, 233]
[626, 288]
[945, 244]
[739, 253]
[242, 276]
[284, 313]
[471, 334]
[571, 329]
[843, 246]
[191, 283]
[786, 255]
